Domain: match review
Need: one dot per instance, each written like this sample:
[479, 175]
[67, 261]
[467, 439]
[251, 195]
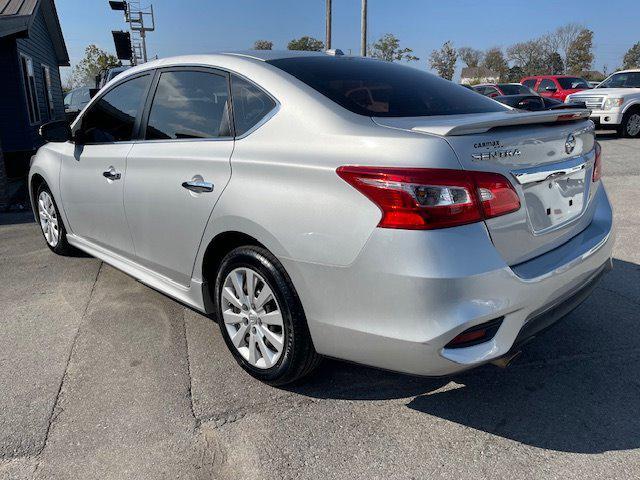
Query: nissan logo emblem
[570, 144]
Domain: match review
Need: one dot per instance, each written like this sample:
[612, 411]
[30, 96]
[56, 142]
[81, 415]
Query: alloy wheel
[633, 125]
[48, 218]
[252, 317]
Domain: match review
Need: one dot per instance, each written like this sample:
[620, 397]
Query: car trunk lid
[547, 156]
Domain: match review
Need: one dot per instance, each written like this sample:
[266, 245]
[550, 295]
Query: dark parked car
[499, 89]
[75, 101]
[535, 102]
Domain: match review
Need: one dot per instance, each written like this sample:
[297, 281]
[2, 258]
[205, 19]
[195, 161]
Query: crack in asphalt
[55, 411]
[189, 374]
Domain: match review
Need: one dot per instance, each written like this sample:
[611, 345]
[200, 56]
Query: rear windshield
[569, 83]
[514, 89]
[377, 88]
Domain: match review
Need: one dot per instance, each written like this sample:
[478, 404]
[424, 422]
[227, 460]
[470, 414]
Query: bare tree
[529, 56]
[470, 56]
[563, 37]
[444, 60]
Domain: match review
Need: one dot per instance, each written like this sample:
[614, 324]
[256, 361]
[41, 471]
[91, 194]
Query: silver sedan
[324, 205]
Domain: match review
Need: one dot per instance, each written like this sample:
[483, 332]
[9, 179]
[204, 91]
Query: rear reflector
[597, 166]
[429, 198]
[476, 334]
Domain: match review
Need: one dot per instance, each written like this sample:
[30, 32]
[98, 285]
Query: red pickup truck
[555, 86]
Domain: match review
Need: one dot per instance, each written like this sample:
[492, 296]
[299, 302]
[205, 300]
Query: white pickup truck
[615, 103]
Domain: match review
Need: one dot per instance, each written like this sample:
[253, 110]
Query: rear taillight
[424, 198]
[597, 166]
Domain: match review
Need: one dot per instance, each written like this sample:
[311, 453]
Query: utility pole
[328, 25]
[363, 29]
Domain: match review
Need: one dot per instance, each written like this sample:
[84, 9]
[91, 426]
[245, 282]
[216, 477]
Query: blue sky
[198, 26]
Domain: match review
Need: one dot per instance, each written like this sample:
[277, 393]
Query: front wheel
[261, 317]
[630, 126]
[51, 223]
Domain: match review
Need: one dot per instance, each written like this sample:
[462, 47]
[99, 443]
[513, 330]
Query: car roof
[630, 70]
[266, 55]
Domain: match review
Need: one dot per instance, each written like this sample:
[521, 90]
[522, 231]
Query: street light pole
[363, 29]
[328, 26]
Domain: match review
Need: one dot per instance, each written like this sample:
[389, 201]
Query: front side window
[28, 77]
[377, 88]
[48, 96]
[112, 117]
[250, 104]
[544, 84]
[189, 104]
[622, 80]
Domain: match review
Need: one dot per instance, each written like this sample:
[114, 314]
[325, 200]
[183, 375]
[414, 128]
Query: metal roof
[16, 17]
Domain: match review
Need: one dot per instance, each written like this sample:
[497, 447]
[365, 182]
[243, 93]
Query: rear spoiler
[470, 124]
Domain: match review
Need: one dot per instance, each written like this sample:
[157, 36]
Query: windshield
[568, 83]
[622, 80]
[377, 88]
[514, 89]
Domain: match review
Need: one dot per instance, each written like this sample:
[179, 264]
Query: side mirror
[57, 131]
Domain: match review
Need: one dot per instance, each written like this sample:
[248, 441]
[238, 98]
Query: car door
[94, 166]
[179, 168]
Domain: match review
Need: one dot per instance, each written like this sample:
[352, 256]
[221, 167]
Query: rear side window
[113, 116]
[529, 83]
[250, 104]
[572, 82]
[189, 104]
[384, 89]
[514, 89]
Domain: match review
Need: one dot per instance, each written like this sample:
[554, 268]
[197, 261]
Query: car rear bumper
[409, 293]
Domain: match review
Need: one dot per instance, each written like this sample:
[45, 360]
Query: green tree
[388, 48]
[470, 56]
[515, 74]
[306, 43]
[494, 60]
[95, 61]
[263, 45]
[555, 65]
[444, 60]
[632, 57]
[580, 55]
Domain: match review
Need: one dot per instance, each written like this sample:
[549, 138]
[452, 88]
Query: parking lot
[102, 377]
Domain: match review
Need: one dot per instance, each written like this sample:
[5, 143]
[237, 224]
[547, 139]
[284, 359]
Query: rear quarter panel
[284, 190]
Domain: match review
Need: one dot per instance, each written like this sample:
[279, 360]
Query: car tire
[630, 125]
[264, 325]
[51, 224]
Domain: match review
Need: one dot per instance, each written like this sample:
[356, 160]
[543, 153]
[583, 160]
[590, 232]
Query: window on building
[30, 88]
[48, 95]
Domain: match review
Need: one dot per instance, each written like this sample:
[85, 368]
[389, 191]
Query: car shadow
[606, 135]
[575, 388]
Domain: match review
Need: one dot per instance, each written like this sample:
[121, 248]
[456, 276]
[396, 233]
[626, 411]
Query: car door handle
[111, 174]
[198, 186]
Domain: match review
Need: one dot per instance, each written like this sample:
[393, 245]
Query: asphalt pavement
[102, 377]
